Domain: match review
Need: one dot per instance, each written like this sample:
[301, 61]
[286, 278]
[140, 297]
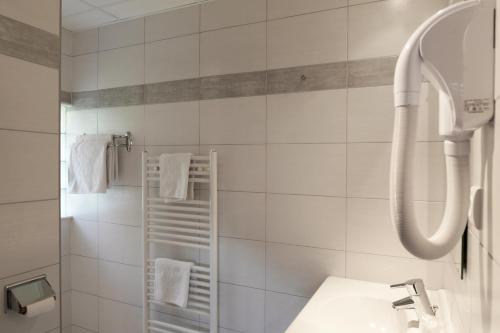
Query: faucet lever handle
[411, 282]
[414, 286]
[404, 304]
[399, 285]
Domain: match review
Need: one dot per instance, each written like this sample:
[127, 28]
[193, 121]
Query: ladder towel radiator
[189, 224]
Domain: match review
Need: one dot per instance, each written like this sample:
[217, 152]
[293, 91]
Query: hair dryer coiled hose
[401, 190]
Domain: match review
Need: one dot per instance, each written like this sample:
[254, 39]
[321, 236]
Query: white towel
[174, 176]
[172, 281]
[112, 166]
[87, 170]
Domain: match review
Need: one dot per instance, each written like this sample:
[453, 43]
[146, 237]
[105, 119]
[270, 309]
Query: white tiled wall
[175, 123]
[172, 24]
[246, 54]
[45, 16]
[303, 177]
[370, 37]
[324, 121]
[112, 63]
[29, 168]
[172, 59]
[84, 68]
[317, 38]
[18, 113]
[233, 120]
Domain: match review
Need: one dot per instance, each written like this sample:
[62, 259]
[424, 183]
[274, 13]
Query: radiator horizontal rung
[186, 244]
[176, 229]
[191, 180]
[182, 202]
[180, 215]
[179, 208]
[161, 221]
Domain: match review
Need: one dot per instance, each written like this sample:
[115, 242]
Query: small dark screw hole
[303, 77]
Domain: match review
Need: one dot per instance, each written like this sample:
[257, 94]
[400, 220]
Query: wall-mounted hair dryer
[454, 51]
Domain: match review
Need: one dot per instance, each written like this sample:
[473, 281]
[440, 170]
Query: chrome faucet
[418, 299]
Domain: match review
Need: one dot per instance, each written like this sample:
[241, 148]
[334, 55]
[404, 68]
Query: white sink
[351, 306]
[377, 315]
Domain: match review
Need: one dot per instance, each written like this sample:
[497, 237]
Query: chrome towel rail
[122, 141]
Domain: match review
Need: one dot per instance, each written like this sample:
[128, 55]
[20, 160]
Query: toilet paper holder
[20, 295]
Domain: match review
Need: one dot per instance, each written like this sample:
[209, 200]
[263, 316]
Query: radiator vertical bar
[145, 191]
[213, 244]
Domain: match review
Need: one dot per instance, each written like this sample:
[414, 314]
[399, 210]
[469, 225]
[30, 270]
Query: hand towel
[87, 170]
[172, 281]
[112, 165]
[174, 176]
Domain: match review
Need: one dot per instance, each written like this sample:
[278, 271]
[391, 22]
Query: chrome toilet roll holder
[20, 295]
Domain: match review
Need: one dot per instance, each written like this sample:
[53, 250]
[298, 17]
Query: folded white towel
[174, 176]
[172, 281]
[87, 170]
[112, 165]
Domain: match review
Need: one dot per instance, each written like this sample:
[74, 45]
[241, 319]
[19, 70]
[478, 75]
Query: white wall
[29, 145]
[304, 176]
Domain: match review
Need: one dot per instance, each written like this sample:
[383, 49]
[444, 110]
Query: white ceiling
[78, 15]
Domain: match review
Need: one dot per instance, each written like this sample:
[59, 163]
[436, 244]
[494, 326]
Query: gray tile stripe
[172, 91]
[25, 42]
[133, 95]
[307, 78]
[233, 85]
[65, 97]
[338, 75]
[371, 72]
[85, 99]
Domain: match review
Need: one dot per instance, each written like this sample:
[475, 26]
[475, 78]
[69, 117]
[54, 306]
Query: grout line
[484, 248]
[100, 9]
[28, 201]
[55, 328]
[266, 19]
[228, 27]
[28, 131]
[199, 124]
[264, 290]
[171, 37]
[332, 250]
[268, 144]
[442, 260]
[249, 192]
[103, 260]
[120, 224]
[346, 210]
[303, 246]
[83, 328]
[30, 271]
[98, 116]
[133, 44]
[129, 304]
[118, 48]
[266, 166]
[199, 76]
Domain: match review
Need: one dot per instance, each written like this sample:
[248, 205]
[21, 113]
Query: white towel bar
[178, 222]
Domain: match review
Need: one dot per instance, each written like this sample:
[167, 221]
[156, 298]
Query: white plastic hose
[402, 185]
